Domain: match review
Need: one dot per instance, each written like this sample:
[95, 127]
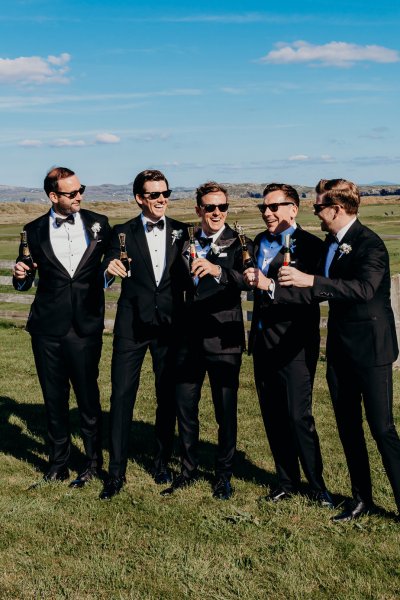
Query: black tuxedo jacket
[142, 304]
[213, 313]
[361, 324]
[287, 328]
[62, 300]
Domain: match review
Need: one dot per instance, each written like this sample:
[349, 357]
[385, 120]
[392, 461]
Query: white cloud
[299, 157]
[66, 142]
[338, 54]
[34, 69]
[30, 143]
[107, 138]
[233, 91]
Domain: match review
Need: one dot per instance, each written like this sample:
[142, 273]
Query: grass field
[58, 543]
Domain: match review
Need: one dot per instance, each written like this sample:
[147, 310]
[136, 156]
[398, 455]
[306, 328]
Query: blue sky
[233, 91]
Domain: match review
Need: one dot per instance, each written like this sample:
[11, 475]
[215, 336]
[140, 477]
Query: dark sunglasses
[156, 195]
[72, 195]
[274, 207]
[319, 207]
[211, 207]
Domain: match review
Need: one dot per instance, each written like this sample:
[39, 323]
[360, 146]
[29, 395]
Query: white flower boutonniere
[176, 235]
[292, 246]
[344, 249]
[216, 249]
[95, 228]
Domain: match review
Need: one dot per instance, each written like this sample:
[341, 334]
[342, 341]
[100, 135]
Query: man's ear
[138, 199]
[53, 197]
[198, 211]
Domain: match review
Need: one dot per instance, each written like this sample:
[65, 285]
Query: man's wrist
[219, 272]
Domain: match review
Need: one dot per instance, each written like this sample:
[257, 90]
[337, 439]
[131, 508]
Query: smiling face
[62, 204]
[285, 215]
[328, 216]
[211, 222]
[153, 209]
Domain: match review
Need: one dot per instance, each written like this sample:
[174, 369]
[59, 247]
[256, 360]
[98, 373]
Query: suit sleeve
[113, 248]
[234, 276]
[372, 262]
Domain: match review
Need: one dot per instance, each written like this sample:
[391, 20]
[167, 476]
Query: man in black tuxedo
[361, 344]
[150, 299]
[285, 345]
[211, 338]
[66, 319]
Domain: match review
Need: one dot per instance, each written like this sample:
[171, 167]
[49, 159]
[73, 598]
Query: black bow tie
[270, 237]
[331, 239]
[150, 226]
[69, 219]
[205, 241]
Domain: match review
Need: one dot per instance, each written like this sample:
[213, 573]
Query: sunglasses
[319, 207]
[274, 207]
[72, 195]
[156, 195]
[209, 208]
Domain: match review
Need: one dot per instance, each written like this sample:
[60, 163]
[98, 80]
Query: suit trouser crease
[349, 386]
[285, 397]
[59, 361]
[127, 361]
[223, 372]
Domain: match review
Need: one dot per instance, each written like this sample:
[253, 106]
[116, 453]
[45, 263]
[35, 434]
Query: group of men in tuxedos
[186, 311]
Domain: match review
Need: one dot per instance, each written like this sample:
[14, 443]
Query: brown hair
[340, 191]
[147, 175]
[208, 188]
[52, 178]
[289, 191]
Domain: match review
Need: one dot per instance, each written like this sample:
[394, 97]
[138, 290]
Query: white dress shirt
[268, 250]
[69, 241]
[156, 240]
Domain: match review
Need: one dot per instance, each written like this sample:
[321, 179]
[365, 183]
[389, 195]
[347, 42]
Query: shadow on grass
[26, 441]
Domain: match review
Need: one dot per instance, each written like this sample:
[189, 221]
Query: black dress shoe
[222, 489]
[163, 476]
[278, 495]
[57, 475]
[323, 498]
[355, 512]
[84, 478]
[112, 487]
[182, 481]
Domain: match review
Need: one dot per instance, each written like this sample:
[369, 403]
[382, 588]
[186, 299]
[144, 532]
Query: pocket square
[222, 255]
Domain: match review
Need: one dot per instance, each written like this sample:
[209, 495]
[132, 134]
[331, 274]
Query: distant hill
[123, 193]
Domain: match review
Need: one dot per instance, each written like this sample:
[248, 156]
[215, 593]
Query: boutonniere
[292, 246]
[344, 249]
[95, 228]
[176, 235]
[215, 249]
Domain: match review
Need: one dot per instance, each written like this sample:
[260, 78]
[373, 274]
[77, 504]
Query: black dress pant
[223, 371]
[59, 361]
[127, 360]
[349, 384]
[285, 396]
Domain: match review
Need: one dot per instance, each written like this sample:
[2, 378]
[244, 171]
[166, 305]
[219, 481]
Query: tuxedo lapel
[45, 244]
[139, 238]
[88, 224]
[341, 257]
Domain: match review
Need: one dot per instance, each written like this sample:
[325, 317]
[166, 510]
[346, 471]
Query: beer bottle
[123, 255]
[286, 251]
[25, 255]
[247, 259]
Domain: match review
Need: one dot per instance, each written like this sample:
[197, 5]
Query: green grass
[57, 543]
